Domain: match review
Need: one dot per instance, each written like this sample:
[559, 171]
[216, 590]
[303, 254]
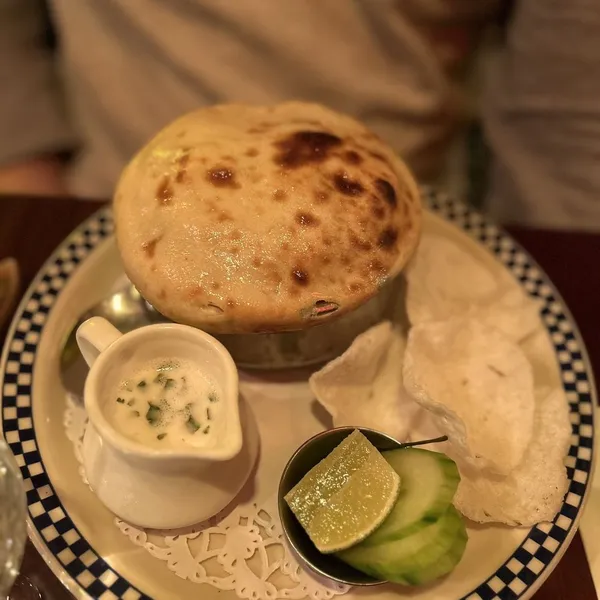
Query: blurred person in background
[72, 114]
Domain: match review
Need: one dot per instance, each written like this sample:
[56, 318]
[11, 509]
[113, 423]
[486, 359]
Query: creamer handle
[94, 336]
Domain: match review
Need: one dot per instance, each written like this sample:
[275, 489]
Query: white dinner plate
[78, 537]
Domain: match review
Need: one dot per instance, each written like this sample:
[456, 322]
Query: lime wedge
[346, 496]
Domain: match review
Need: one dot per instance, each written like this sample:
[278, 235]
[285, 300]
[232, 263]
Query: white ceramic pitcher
[162, 488]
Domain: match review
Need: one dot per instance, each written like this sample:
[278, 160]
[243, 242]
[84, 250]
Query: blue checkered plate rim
[54, 533]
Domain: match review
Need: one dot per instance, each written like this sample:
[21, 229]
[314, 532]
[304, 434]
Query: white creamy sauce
[166, 404]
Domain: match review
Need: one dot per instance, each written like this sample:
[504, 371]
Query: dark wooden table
[30, 228]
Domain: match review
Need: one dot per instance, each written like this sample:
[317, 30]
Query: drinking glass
[13, 509]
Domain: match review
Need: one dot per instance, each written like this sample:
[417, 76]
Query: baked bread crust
[239, 218]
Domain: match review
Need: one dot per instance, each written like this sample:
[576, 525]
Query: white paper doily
[242, 551]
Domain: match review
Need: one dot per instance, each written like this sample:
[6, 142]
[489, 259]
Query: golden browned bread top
[240, 218]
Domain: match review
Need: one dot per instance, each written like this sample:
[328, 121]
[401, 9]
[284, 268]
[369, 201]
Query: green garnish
[192, 424]
[121, 400]
[153, 414]
[141, 384]
[131, 402]
[206, 429]
[169, 383]
[161, 436]
[212, 397]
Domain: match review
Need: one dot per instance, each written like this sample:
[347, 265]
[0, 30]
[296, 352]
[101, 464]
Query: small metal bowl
[303, 460]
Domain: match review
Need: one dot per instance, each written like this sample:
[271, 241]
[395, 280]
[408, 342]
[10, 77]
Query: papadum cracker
[363, 386]
[534, 491]
[444, 281]
[478, 386]
[540, 352]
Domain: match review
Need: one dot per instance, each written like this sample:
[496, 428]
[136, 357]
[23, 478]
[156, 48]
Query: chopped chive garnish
[208, 417]
[141, 384]
[206, 429]
[169, 383]
[153, 414]
[212, 397]
[131, 402]
[121, 400]
[161, 436]
[192, 424]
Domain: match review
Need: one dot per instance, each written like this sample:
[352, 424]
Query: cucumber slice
[428, 484]
[424, 536]
[420, 558]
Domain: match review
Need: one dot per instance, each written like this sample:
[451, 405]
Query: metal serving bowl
[303, 460]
